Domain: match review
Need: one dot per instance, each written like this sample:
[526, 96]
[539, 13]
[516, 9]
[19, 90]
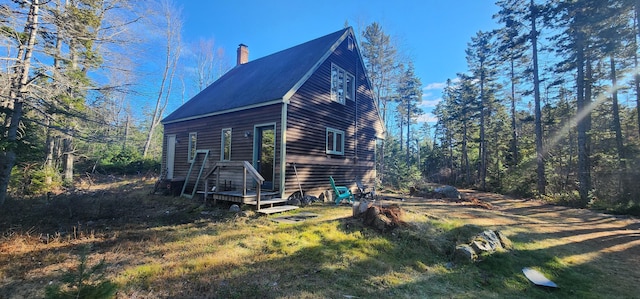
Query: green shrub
[83, 282]
[126, 156]
[32, 179]
[401, 176]
[570, 199]
[120, 161]
[520, 180]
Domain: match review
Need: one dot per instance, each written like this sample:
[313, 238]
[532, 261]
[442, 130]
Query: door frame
[171, 155]
[257, 146]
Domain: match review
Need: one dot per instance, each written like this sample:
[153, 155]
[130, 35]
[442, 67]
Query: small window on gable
[225, 145]
[335, 142]
[350, 44]
[193, 139]
[340, 81]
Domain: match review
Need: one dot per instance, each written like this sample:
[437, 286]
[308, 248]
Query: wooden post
[218, 180]
[206, 189]
[244, 181]
[258, 198]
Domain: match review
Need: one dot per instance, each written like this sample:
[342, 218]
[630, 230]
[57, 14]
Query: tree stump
[383, 218]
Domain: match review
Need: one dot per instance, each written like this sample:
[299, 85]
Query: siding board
[311, 111]
[209, 131]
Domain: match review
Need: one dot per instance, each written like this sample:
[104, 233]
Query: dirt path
[610, 243]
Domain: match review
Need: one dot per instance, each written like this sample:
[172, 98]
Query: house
[297, 116]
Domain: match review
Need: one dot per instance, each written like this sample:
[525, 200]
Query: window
[335, 142]
[342, 84]
[193, 139]
[225, 145]
[350, 44]
[351, 83]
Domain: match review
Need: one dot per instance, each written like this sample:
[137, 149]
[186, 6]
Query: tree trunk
[18, 96]
[584, 175]
[401, 132]
[483, 140]
[408, 129]
[48, 160]
[451, 159]
[126, 133]
[514, 128]
[617, 127]
[465, 153]
[172, 52]
[635, 54]
[68, 159]
[616, 115]
[541, 178]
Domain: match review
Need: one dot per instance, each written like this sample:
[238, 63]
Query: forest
[80, 95]
[548, 106]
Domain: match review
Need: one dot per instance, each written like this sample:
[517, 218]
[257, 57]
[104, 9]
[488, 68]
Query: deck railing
[247, 169]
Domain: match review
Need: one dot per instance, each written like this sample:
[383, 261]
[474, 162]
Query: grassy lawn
[163, 247]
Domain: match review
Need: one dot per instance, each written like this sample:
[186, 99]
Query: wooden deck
[237, 196]
[273, 205]
[240, 171]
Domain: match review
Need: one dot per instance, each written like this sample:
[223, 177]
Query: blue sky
[434, 34]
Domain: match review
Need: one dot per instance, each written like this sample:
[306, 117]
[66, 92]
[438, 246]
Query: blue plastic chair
[341, 192]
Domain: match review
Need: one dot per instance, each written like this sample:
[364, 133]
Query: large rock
[234, 208]
[448, 192]
[464, 252]
[486, 242]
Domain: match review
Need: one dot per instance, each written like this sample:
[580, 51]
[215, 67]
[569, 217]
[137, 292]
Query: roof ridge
[299, 45]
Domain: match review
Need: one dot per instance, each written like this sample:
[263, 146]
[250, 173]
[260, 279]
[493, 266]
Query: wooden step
[264, 202]
[277, 209]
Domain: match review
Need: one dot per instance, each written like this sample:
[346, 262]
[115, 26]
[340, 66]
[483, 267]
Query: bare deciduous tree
[209, 63]
[172, 48]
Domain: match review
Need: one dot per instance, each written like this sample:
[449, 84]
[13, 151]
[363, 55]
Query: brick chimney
[243, 54]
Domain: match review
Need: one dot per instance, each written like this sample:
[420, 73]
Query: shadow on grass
[41, 237]
[165, 247]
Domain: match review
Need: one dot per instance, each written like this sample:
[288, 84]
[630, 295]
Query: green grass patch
[334, 258]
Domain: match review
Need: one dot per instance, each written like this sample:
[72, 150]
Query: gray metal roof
[268, 79]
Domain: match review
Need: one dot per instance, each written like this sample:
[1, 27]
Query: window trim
[193, 146]
[334, 150]
[334, 85]
[223, 143]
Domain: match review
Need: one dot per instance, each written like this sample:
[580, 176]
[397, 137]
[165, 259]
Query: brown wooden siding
[311, 111]
[314, 178]
[209, 131]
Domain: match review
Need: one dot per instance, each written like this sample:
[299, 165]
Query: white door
[171, 154]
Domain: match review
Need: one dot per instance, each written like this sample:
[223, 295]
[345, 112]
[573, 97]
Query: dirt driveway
[575, 236]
